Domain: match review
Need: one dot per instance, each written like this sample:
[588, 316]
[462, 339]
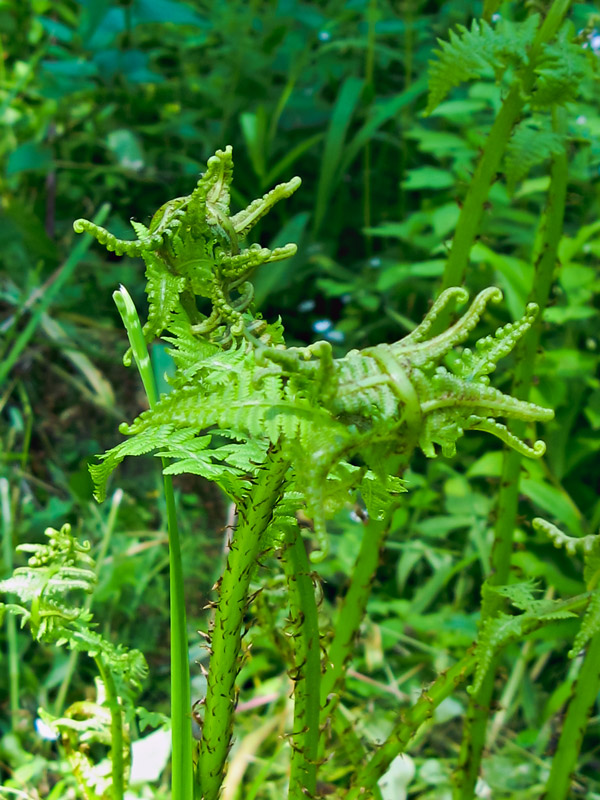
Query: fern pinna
[283, 427]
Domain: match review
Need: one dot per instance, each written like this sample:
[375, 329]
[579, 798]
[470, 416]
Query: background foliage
[104, 99]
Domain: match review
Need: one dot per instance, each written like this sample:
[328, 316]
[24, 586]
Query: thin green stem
[469, 221]
[47, 297]
[407, 726]
[255, 513]
[182, 779]
[584, 696]
[479, 705]
[411, 720]
[116, 730]
[350, 615]
[307, 668]
[104, 545]
[10, 622]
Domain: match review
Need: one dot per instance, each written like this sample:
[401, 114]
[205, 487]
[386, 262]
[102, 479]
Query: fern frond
[590, 624]
[151, 439]
[496, 632]
[474, 53]
[529, 146]
[163, 289]
[560, 72]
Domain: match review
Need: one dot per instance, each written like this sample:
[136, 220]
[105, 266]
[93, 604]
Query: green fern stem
[350, 616]
[307, 668]
[479, 704]
[116, 729]
[583, 699]
[352, 749]
[366, 778]
[182, 780]
[10, 622]
[254, 517]
[410, 721]
[469, 221]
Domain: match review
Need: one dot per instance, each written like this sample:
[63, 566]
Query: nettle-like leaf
[589, 546]
[530, 145]
[483, 50]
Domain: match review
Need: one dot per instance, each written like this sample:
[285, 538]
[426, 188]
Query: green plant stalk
[409, 723]
[307, 668]
[109, 526]
[10, 622]
[479, 704]
[254, 516]
[182, 780]
[116, 730]
[471, 213]
[584, 696]
[350, 615]
[353, 749]
[64, 274]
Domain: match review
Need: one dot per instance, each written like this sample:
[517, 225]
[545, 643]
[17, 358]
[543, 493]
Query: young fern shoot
[299, 426]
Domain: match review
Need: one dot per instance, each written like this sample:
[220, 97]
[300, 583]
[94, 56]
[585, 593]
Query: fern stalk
[479, 705]
[116, 729]
[307, 668]
[469, 221]
[351, 613]
[571, 737]
[182, 767]
[254, 516]
[365, 778]
[10, 623]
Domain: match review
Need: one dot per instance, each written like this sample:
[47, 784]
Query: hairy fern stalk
[296, 429]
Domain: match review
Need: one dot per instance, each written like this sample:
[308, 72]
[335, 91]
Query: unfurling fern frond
[529, 146]
[589, 546]
[474, 53]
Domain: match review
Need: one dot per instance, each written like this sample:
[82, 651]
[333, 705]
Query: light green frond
[419, 334]
[489, 350]
[244, 220]
[427, 352]
[163, 289]
[501, 432]
[122, 247]
[590, 624]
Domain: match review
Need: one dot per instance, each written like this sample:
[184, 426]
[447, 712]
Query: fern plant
[287, 428]
[46, 588]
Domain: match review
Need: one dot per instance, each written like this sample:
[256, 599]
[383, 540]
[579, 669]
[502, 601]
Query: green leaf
[428, 178]
[343, 112]
[28, 157]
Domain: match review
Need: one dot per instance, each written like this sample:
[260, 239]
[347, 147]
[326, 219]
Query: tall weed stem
[182, 769]
[254, 516]
[550, 234]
